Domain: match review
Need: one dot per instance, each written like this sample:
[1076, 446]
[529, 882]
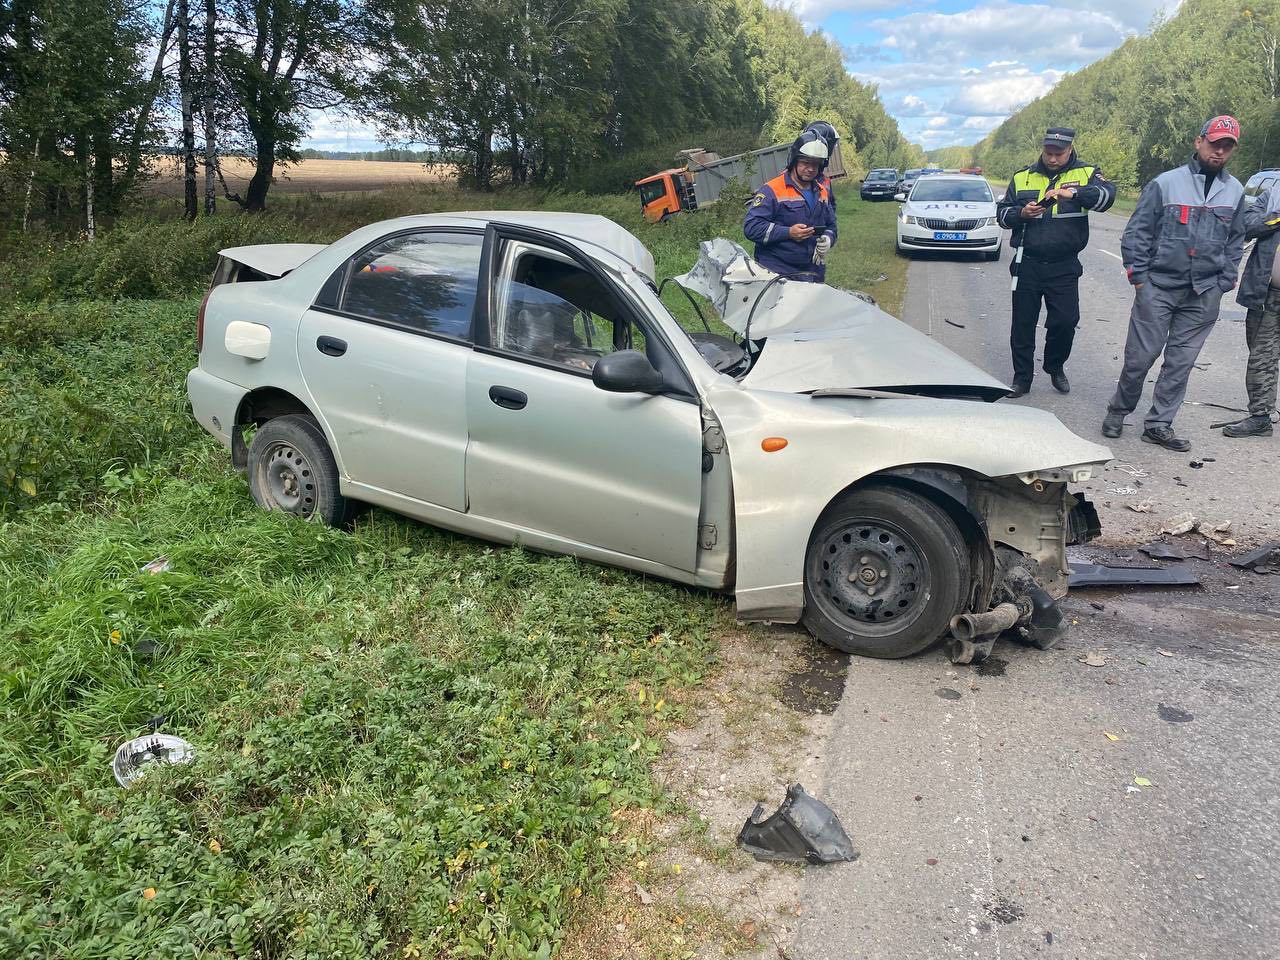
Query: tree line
[1137, 110]
[554, 92]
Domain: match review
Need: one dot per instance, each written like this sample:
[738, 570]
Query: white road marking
[1110, 254]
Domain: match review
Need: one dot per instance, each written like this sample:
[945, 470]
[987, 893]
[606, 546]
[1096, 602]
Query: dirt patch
[305, 176]
[758, 726]
[818, 685]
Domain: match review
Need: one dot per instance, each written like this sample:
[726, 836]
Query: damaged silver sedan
[515, 376]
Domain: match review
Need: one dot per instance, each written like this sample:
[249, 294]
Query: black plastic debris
[1101, 575]
[1265, 559]
[1159, 550]
[802, 830]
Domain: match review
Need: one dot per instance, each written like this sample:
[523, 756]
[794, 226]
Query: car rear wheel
[886, 570]
[291, 468]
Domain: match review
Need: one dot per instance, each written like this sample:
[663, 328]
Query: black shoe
[1113, 425]
[1020, 389]
[1165, 437]
[1257, 426]
[1060, 382]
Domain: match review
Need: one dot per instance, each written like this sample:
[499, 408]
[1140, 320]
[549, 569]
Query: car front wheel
[291, 468]
[885, 572]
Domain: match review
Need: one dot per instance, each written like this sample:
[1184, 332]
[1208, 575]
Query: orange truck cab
[665, 193]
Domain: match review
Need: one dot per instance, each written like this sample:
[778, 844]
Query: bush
[89, 394]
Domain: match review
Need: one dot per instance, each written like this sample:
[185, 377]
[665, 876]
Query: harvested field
[306, 176]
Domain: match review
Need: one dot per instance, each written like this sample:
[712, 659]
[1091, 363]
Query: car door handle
[331, 346]
[508, 398]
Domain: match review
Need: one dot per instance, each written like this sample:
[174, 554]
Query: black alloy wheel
[885, 572]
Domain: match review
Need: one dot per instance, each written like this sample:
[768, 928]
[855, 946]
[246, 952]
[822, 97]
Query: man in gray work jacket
[1182, 251]
[1260, 295]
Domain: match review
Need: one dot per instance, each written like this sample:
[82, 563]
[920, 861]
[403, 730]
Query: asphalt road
[1239, 482]
[1044, 807]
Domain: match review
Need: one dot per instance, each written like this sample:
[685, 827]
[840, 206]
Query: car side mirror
[626, 371]
[900, 197]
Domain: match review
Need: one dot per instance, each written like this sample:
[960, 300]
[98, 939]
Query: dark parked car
[880, 184]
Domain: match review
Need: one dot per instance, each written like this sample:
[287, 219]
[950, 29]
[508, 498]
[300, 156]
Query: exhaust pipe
[973, 626]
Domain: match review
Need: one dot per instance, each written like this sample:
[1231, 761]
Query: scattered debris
[1131, 789]
[646, 898]
[1265, 559]
[1163, 652]
[1177, 525]
[1096, 605]
[1110, 736]
[1142, 782]
[1123, 491]
[802, 830]
[931, 861]
[1216, 530]
[1093, 659]
[953, 323]
[133, 756]
[160, 564]
[1196, 464]
[946, 693]
[1131, 470]
[1004, 910]
[1174, 714]
[1143, 506]
[1101, 575]
[1216, 406]
[1159, 550]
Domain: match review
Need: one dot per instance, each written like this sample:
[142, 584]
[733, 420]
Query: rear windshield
[965, 191]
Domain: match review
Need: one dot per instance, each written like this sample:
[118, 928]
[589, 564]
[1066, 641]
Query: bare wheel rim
[870, 576]
[290, 479]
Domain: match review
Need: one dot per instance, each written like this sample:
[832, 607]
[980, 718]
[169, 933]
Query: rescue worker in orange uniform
[791, 219]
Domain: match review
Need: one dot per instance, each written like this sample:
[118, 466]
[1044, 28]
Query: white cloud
[911, 106]
[1003, 30]
[1001, 95]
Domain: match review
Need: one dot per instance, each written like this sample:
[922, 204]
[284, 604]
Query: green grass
[409, 743]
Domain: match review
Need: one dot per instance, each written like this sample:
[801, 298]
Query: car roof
[586, 229]
[967, 177]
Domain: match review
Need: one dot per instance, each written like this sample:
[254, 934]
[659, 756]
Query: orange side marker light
[773, 444]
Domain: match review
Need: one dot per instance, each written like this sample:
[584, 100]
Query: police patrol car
[949, 212]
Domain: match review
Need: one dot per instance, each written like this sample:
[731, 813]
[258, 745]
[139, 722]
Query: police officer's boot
[1256, 426]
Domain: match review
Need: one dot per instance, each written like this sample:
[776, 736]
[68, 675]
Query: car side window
[419, 281]
[551, 309]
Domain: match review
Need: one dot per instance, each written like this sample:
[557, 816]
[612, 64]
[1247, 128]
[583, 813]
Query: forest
[581, 94]
[1137, 110]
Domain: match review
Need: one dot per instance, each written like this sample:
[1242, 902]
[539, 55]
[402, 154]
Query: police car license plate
[948, 236]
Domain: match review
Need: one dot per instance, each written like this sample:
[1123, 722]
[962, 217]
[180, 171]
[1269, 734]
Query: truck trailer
[704, 175]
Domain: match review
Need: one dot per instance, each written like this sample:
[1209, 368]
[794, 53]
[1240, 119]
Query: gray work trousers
[1175, 322]
[1262, 334]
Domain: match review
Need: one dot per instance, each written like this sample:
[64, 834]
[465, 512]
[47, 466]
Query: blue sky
[949, 71]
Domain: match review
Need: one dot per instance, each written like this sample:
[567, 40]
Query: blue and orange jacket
[772, 212]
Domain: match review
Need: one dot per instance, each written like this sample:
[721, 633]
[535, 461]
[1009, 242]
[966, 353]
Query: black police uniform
[1049, 266]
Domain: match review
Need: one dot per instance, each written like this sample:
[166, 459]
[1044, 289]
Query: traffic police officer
[1046, 206]
[791, 219]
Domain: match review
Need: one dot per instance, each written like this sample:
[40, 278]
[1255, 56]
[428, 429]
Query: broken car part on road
[1102, 575]
[802, 830]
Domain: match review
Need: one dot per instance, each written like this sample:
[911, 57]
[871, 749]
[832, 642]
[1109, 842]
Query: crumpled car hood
[822, 337]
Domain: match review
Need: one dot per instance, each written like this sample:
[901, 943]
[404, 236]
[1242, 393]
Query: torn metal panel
[822, 337]
[1101, 575]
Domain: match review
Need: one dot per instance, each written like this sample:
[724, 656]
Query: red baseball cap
[1221, 128]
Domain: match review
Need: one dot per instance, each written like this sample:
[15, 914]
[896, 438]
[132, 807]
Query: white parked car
[951, 211]
[515, 376]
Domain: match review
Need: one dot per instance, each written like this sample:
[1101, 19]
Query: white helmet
[810, 146]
